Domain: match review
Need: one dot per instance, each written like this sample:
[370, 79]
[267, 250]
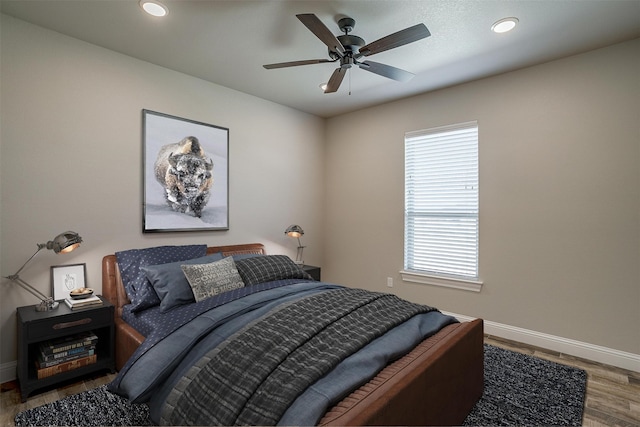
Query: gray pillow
[268, 268]
[170, 283]
[207, 280]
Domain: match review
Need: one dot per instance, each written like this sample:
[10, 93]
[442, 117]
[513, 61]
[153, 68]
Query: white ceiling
[227, 42]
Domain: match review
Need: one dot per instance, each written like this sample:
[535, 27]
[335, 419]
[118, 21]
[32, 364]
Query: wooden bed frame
[437, 383]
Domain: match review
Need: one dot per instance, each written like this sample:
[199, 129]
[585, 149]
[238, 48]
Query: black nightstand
[313, 271]
[35, 327]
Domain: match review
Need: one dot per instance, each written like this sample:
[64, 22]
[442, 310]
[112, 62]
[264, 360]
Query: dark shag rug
[519, 390]
[522, 390]
[97, 407]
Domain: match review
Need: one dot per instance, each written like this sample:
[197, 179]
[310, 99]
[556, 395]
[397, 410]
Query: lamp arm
[17, 274]
[299, 258]
[16, 277]
[30, 288]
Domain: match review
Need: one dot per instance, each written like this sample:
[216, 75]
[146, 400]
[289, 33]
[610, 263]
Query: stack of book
[91, 301]
[66, 353]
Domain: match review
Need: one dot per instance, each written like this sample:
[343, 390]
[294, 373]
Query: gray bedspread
[225, 337]
[255, 375]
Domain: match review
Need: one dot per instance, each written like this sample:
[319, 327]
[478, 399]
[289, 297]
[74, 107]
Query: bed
[435, 381]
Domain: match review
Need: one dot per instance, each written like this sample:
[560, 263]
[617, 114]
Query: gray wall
[72, 159]
[559, 148]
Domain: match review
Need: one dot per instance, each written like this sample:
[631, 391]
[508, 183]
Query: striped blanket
[253, 376]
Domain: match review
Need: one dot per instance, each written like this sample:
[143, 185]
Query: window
[441, 206]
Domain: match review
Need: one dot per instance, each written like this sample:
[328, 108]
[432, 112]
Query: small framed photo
[65, 278]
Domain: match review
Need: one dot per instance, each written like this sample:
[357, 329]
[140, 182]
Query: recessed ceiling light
[154, 8]
[504, 25]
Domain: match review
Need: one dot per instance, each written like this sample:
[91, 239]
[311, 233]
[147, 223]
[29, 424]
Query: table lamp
[61, 244]
[296, 231]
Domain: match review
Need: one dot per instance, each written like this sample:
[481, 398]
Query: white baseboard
[571, 347]
[8, 372]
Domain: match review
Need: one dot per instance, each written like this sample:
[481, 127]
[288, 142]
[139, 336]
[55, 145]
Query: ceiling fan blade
[315, 25]
[386, 71]
[296, 63]
[335, 80]
[402, 37]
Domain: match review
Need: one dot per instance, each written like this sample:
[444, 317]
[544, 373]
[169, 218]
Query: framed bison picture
[186, 174]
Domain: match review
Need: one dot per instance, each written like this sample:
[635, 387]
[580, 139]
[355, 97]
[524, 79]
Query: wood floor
[613, 394]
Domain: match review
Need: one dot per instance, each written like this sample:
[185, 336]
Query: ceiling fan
[350, 49]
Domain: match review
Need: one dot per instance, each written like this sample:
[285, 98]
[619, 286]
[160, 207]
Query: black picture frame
[177, 193]
[65, 278]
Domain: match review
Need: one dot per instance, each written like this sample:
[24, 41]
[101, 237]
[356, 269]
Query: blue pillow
[139, 290]
[171, 284]
[268, 268]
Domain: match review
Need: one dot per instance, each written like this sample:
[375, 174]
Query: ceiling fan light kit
[350, 49]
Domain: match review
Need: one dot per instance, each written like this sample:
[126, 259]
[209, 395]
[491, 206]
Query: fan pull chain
[349, 81]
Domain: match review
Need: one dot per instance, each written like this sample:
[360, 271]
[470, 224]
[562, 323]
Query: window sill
[447, 282]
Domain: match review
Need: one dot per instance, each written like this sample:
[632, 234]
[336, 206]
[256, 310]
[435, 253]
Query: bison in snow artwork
[184, 171]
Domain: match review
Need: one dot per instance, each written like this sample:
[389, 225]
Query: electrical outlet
[390, 282]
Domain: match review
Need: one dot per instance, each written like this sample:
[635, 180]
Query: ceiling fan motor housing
[351, 44]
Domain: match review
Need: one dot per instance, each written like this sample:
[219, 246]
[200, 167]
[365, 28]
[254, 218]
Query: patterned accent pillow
[138, 288]
[207, 280]
[243, 256]
[170, 283]
[268, 268]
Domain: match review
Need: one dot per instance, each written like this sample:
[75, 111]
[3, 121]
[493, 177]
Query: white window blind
[441, 201]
